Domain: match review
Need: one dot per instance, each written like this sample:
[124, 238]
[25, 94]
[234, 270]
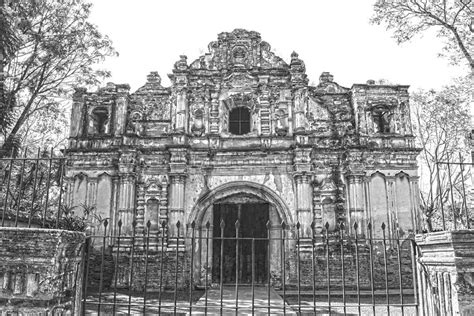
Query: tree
[56, 49]
[442, 120]
[452, 19]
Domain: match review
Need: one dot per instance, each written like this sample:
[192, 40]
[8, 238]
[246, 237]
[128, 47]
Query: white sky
[331, 35]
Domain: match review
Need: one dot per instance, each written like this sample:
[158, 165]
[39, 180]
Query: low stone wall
[39, 270]
[446, 272]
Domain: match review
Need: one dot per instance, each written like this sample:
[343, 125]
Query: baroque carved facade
[240, 131]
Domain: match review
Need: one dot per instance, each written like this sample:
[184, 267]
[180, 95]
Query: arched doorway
[259, 212]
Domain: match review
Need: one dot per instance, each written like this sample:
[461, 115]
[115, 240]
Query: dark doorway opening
[253, 218]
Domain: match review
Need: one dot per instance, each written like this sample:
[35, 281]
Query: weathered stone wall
[446, 272]
[39, 270]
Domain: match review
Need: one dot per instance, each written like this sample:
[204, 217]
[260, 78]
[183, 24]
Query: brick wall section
[350, 267]
[38, 269]
[121, 270]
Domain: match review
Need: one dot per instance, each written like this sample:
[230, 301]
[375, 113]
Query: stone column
[304, 201]
[176, 200]
[391, 203]
[163, 217]
[214, 113]
[299, 110]
[181, 108]
[121, 106]
[414, 202]
[77, 113]
[115, 197]
[356, 203]
[126, 205]
[176, 206]
[140, 207]
[445, 271]
[304, 189]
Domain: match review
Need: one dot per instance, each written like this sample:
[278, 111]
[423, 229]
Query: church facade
[241, 135]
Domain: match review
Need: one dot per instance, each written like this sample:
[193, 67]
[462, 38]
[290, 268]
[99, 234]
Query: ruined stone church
[241, 135]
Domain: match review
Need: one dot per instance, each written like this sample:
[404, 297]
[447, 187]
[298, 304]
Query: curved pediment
[239, 49]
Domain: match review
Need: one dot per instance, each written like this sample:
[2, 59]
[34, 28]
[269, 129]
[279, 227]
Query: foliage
[441, 121]
[451, 19]
[56, 50]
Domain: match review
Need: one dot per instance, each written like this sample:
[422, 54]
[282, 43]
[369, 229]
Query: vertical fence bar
[414, 272]
[60, 199]
[283, 272]
[5, 200]
[400, 276]
[87, 252]
[313, 267]
[253, 276]
[101, 275]
[371, 257]
[146, 245]
[464, 202]
[440, 192]
[162, 259]
[221, 278]
[236, 267]
[178, 224]
[48, 186]
[191, 268]
[356, 226]
[343, 271]
[268, 268]
[132, 253]
[20, 188]
[117, 264]
[387, 294]
[328, 272]
[453, 206]
[35, 182]
[208, 225]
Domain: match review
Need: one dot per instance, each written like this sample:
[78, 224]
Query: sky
[328, 35]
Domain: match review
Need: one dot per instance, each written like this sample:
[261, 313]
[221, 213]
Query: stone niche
[38, 271]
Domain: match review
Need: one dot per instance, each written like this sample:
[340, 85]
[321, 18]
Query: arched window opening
[100, 117]
[239, 121]
[382, 121]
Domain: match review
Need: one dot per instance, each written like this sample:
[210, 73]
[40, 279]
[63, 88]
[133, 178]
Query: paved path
[261, 302]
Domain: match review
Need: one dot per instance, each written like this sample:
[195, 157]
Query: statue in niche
[198, 124]
[133, 125]
[281, 128]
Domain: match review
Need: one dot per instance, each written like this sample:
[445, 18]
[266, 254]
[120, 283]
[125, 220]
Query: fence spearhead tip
[222, 224]
[341, 225]
[237, 224]
[298, 225]
[106, 222]
[356, 225]
[193, 224]
[163, 224]
[178, 224]
[383, 226]
[369, 226]
[327, 225]
[148, 224]
[283, 225]
[208, 225]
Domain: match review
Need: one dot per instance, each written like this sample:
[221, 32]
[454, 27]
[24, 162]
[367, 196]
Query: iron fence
[32, 190]
[146, 271]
